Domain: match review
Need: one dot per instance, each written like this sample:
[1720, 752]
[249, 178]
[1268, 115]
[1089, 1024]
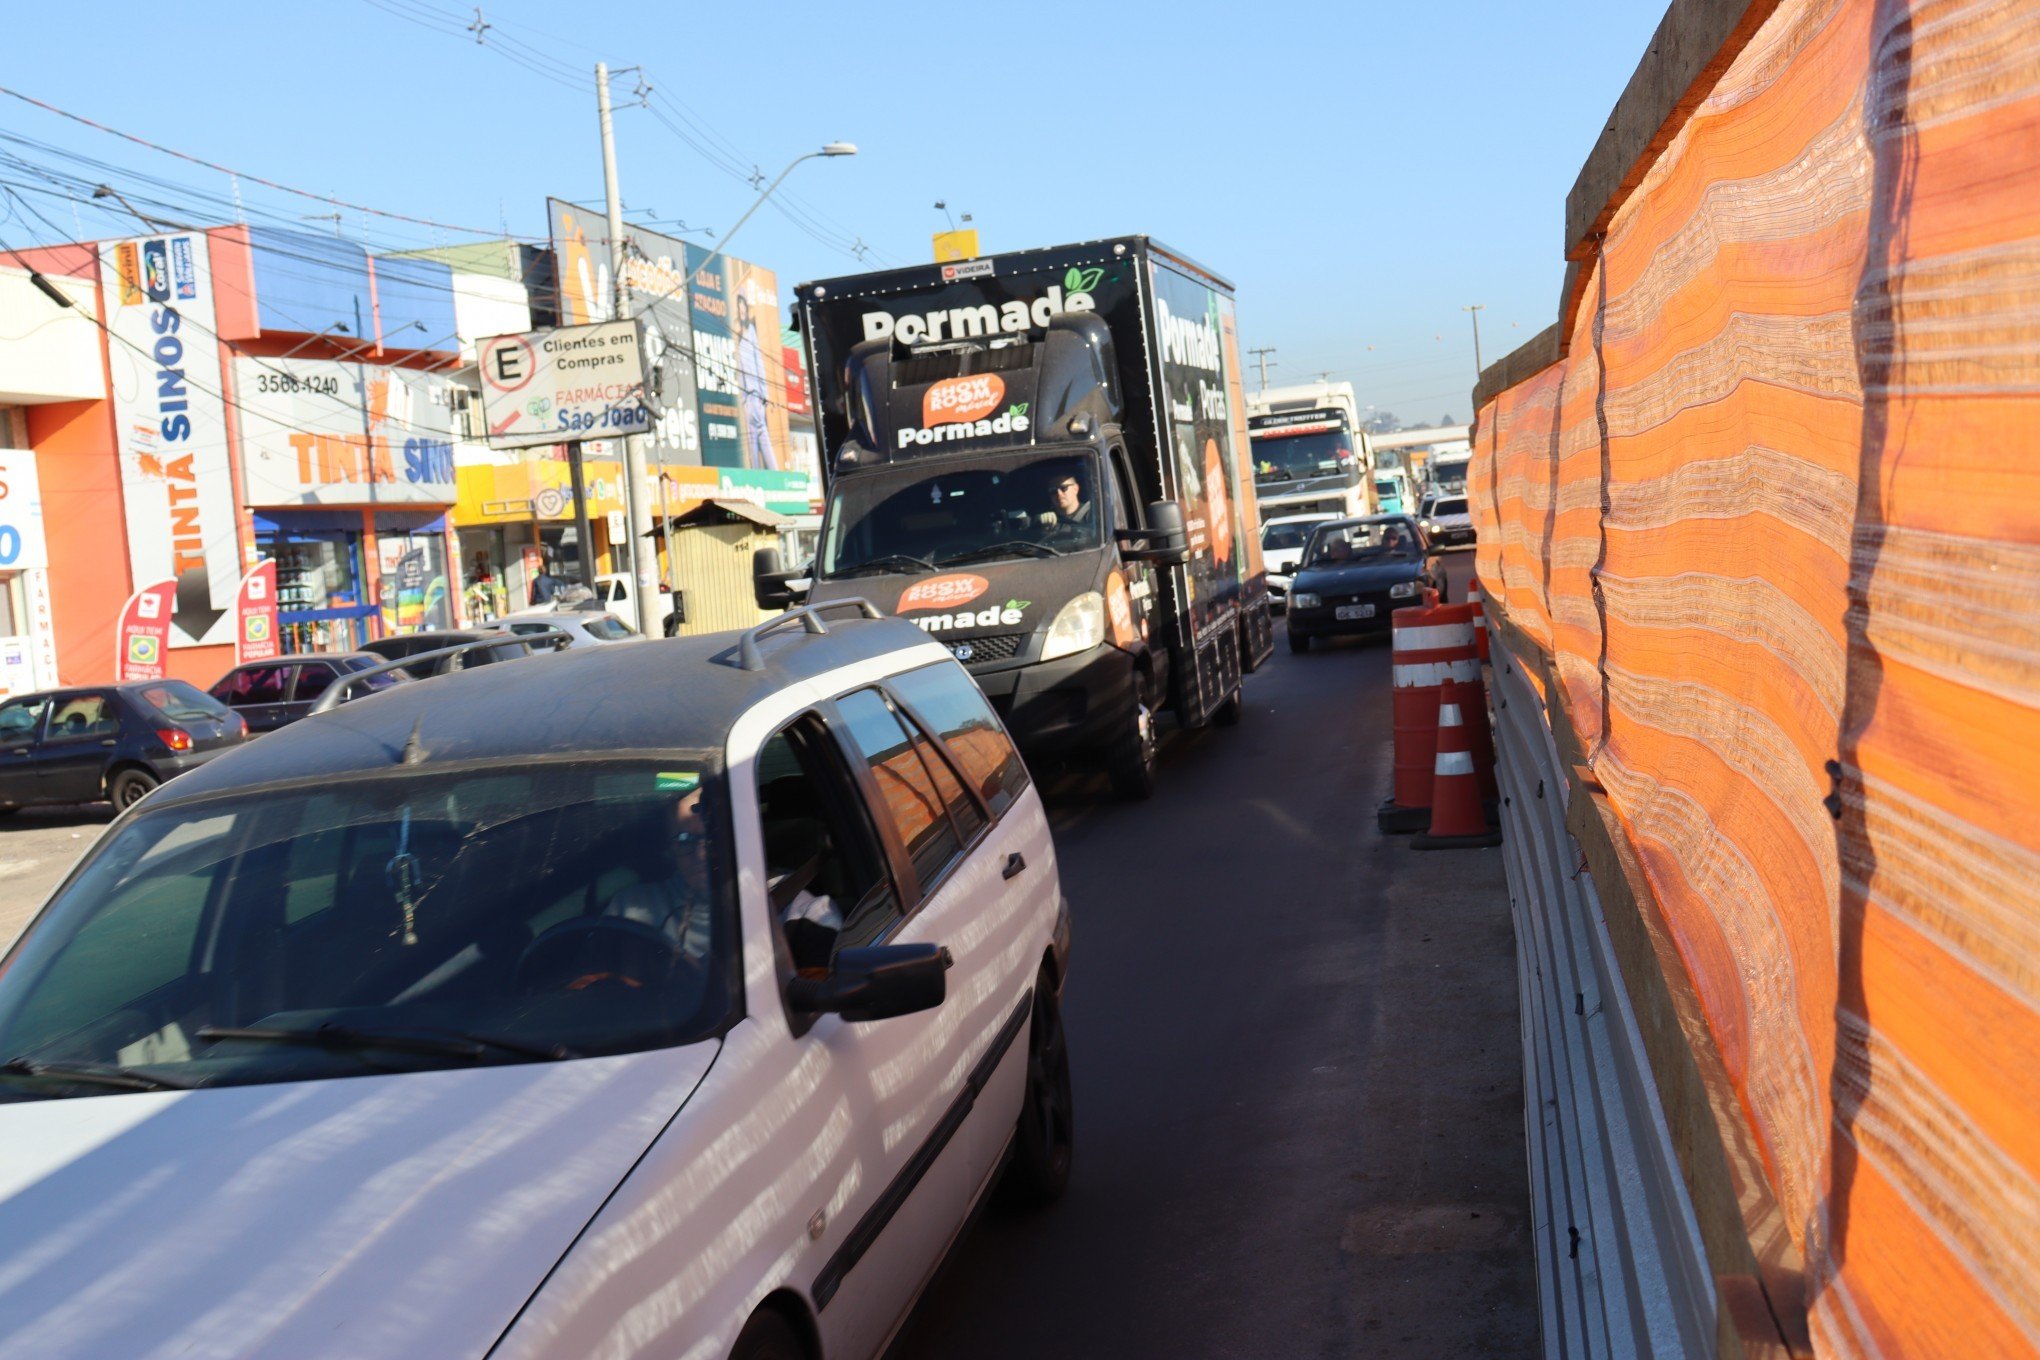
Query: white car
[1282, 540]
[674, 1000]
[614, 590]
[585, 627]
[1446, 521]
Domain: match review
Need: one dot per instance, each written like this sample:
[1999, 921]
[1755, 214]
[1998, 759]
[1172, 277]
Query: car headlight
[1403, 590]
[1303, 599]
[1079, 626]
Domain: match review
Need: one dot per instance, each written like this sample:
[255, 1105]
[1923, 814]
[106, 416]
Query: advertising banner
[741, 364]
[796, 377]
[570, 383]
[655, 276]
[317, 432]
[255, 609]
[170, 422]
[1200, 427]
[22, 546]
[144, 630]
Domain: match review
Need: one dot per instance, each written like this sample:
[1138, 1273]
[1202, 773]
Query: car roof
[1390, 518]
[1298, 519]
[664, 695]
[119, 686]
[293, 658]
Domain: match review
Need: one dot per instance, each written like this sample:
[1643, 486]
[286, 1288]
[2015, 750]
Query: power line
[242, 174]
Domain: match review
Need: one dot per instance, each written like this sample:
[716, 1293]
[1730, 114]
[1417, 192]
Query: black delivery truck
[1041, 458]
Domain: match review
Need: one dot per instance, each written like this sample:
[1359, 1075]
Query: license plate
[1354, 611]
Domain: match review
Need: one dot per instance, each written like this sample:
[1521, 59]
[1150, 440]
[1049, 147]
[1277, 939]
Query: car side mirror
[876, 982]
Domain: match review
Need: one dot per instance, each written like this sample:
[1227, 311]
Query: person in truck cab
[1070, 509]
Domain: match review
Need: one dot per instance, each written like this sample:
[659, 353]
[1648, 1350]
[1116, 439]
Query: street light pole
[637, 497]
[829, 149]
[1474, 311]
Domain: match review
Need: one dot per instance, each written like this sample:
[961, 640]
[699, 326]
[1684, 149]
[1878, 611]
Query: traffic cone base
[1457, 821]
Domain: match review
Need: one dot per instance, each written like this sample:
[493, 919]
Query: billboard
[741, 364]
[655, 277]
[321, 432]
[177, 486]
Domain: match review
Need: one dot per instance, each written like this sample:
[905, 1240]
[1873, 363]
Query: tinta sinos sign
[969, 303]
[575, 382]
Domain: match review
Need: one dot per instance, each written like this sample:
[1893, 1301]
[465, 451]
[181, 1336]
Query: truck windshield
[917, 516]
[1295, 457]
[381, 924]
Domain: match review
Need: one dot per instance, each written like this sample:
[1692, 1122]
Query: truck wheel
[1131, 760]
[1298, 642]
[1228, 714]
[768, 1336]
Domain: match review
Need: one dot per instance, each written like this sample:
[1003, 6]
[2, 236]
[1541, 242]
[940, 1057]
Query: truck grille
[1004, 647]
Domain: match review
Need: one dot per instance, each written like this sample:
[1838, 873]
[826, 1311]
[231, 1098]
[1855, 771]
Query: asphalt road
[1297, 1066]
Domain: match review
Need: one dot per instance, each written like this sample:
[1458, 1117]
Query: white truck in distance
[1310, 454]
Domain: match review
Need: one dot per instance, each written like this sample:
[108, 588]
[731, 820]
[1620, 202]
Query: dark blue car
[1355, 573]
[107, 743]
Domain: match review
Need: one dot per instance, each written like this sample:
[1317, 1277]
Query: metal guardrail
[1621, 1268]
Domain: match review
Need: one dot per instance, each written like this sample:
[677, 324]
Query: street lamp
[339, 326]
[828, 149]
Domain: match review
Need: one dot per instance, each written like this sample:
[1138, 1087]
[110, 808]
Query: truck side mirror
[768, 580]
[1168, 544]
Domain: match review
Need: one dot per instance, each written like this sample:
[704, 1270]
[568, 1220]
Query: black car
[411, 644]
[107, 742]
[269, 694]
[1355, 573]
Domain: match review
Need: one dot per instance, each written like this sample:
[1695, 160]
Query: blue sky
[1360, 170]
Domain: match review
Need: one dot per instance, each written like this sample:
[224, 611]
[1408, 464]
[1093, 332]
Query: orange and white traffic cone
[1477, 597]
[1457, 821]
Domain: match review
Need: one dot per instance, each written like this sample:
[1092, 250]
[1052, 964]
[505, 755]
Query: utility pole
[637, 491]
[1262, 355]
[1474, 311]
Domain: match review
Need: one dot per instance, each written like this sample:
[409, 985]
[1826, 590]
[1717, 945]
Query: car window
[948, 700]
[81, 716]
[819, 844]
[583, 905]
[314, 678]
[256, 685]
[181, 702]
[1455, 505]
[607, 629]
[910, 802]
[19, 718]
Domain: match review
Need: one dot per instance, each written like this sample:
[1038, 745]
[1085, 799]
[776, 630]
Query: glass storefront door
[321, 603]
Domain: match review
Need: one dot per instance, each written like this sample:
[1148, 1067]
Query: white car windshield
[381, 923]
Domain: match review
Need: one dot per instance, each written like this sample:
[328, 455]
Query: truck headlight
[1403, 590]
[1079, 626]
[1303, 599]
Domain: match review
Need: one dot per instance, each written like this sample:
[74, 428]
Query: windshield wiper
[451, 1044]
[889, 563]
[94, 1074]
[1024, 547]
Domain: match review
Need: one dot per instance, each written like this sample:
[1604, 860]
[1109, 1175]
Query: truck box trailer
[1041, 458]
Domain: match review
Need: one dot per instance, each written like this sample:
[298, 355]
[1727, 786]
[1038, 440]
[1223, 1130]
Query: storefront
[28, 656]
[349, 469]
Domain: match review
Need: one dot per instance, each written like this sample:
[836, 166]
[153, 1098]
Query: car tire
[1299, 642]
[1130, 763]
[1228, 714]
[129, 787]
[1044, 1139]
[768, 1336]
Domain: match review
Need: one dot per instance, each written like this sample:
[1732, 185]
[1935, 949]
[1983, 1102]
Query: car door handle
[1015, 864]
